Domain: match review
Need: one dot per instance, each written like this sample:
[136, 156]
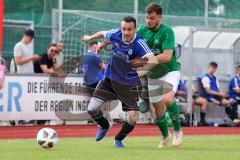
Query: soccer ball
[47, 137]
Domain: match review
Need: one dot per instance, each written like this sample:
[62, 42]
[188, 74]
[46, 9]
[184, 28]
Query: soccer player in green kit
[160, 39]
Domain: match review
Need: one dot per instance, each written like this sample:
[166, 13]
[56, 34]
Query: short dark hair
[29, 33]
[154, 7]
[52, 44]
[92, 43]
[213, 64]
[130, 19]
[238, 66]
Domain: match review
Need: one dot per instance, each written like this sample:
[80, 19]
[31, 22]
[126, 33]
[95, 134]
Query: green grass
[139, 148]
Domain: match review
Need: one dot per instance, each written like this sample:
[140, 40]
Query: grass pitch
[136, 148]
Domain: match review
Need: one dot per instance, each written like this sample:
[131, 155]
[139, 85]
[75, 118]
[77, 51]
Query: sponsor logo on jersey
[130, 51]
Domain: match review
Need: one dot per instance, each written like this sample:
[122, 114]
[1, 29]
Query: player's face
[128, 31]
[52, 51]
[212, 70]
[153, 20]
[94, 47]
[238, 71]
[27, 39]
[60, 46]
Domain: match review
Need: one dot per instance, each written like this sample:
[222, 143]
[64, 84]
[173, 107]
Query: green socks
[161, 122]
[173, 112]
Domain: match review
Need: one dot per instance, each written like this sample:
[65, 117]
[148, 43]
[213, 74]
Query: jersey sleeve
[169, 40]
[98, 59]
[111, 34]
[142, 49]
[235, 83]
[205, 82]
[17, 50]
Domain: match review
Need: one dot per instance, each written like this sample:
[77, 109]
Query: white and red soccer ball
[47, 138]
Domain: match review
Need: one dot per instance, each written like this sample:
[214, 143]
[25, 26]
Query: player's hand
[35, 58]
[153, 60]
[138, 62]
[86, 39]
[237, 90]
[223, 94]
[141, 73]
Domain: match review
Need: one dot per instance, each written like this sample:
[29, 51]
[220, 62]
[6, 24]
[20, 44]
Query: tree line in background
[217, 8]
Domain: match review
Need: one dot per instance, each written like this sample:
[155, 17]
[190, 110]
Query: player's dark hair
[213, 64]
[238, 67]
[130, 19]
[29, 33]
[92, 43]
[52, 44]
[154, 7]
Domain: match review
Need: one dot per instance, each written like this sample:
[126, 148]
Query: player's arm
[47, 70]
[145, 59]
[19, 60]
[168, 46]
[235, 86]
[206, 86]
[102, 45]
[102, 66]
[87, 38]
[165, 57]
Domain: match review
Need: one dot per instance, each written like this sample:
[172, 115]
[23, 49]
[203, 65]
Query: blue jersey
[181, 85]
[91, 69]
[119, 67]
[234, 83]
[213, 85]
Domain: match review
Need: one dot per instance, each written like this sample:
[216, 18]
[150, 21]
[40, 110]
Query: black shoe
[12, 123]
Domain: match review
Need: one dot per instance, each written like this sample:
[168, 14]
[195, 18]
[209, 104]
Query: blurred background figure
[23, 53]
[47, 61]
[93, 67]
[59, 55]
[3, 70]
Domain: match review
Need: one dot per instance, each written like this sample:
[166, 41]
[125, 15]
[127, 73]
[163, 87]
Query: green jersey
[158, 41]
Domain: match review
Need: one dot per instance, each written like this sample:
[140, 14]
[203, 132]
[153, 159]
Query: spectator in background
[234, 93]
[181, 95]
[59, 55]
[3, 70]
[93, 67]
[212, 91]
[24, 58]
[47, 61]
[23, 53]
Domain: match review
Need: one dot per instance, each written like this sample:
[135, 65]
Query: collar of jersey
[131, 40]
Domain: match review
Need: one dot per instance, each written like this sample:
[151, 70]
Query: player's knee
[94, 104]
[94, 108]
[168, 99]
[159, 113]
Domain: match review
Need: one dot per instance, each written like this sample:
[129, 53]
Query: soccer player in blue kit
[120, 77]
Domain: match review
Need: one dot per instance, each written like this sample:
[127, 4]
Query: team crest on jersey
[156, 41]
[130, 51]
